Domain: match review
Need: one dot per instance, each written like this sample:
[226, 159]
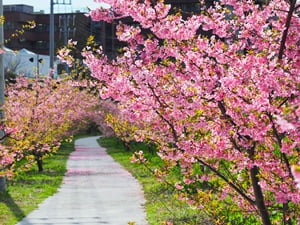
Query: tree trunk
[126, 146]
[259, 198]
[40, 165]
[286, 219]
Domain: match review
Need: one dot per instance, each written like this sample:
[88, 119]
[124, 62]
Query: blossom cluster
[42, 112]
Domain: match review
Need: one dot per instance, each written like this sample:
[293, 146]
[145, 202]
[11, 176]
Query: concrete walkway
[95, 190]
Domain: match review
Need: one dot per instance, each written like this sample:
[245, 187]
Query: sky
[58, 8]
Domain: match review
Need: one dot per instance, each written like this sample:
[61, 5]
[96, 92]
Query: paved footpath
[95, 190]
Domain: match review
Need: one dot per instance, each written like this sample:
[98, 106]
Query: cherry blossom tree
[218, 92]
[43, 112]
[8, 155]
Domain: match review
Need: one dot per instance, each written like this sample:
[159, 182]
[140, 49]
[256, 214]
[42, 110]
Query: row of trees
[218, 93]
[39, 114]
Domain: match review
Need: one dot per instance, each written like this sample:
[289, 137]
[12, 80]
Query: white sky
[45, 5]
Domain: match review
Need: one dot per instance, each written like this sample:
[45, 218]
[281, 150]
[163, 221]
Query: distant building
[25, 62]
[74, 26]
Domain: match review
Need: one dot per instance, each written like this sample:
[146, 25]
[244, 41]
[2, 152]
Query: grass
[162, 204]
[27, 189]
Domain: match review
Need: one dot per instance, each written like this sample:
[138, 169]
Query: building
[74, 26]
[25, 62]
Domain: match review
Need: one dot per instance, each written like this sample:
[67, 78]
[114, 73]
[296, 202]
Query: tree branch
[287, 26]
[232, 185]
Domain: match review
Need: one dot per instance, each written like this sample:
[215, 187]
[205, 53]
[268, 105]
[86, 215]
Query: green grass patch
[162, 203]
[28, 189]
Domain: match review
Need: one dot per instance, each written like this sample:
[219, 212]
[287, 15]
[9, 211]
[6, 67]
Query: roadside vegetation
[28, 189]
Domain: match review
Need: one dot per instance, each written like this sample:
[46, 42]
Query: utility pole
[52, 30]
[51, 37]
[2, 84]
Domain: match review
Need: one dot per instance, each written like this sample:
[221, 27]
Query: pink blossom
[179, 186]
[284, 125]
[296, 174]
